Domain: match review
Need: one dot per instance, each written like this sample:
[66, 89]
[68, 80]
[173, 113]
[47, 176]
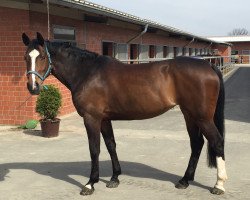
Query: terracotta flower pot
[50, 128]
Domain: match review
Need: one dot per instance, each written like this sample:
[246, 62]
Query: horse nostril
[37, 86]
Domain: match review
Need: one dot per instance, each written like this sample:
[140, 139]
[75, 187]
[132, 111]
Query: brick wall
[120, 35]
[15, 102]
[241, 46]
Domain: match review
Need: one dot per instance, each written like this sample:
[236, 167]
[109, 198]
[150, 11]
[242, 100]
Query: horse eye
[42, 57]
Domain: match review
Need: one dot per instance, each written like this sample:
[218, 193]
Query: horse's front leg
[93, 127]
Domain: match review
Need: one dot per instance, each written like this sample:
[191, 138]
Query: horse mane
[73, 51]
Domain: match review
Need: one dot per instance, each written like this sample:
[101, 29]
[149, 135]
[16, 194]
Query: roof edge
[99, 9]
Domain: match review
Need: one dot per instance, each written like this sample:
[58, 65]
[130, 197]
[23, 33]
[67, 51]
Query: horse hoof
[113, 184]
[182, 184]
[86, 191]
[217, 191]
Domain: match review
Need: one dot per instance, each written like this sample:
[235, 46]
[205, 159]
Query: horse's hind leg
[216, 142]
[196, 143]
[108, 136]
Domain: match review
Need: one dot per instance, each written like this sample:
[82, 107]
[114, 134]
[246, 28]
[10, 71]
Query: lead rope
[44, 86]
[48, 20]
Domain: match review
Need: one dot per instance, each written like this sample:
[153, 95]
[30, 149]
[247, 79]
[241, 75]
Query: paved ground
[153, 153]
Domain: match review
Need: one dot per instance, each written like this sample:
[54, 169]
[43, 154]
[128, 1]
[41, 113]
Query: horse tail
[218, 119]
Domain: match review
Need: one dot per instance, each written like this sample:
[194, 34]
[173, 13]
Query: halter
[48, 70]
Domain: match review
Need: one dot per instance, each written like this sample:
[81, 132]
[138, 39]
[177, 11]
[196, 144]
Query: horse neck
[63, 69]
[73, 66]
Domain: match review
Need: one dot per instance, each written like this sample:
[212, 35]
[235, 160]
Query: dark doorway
[134, 53]
[108, 48]
[151, 51]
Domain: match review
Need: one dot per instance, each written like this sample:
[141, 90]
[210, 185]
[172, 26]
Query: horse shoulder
[90, 96]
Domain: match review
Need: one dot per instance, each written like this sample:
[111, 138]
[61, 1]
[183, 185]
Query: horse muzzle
[34, 90]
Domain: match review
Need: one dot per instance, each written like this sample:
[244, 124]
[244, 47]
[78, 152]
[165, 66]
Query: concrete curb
[231, 73]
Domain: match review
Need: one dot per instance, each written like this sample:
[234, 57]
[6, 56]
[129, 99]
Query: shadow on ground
[33, 132]
[63, 171]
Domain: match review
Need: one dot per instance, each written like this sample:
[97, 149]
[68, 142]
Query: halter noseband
[48, 70]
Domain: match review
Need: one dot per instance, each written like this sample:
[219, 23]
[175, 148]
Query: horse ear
[26, 39]
[40, 38]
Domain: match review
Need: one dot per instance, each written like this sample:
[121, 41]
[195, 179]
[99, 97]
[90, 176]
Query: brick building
[240, 46]
[86, 25]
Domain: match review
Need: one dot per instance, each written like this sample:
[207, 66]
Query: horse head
[38, 62]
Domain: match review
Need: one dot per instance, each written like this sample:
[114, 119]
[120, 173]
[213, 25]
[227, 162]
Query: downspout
[189, 42]
[209, 45]
[137, 36]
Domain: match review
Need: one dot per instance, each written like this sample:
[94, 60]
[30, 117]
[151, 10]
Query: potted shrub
[47, 106]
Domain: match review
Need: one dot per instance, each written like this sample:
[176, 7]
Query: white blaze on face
[221, 173]
[33, 55]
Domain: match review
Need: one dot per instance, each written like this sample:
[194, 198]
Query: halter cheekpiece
[49, 67]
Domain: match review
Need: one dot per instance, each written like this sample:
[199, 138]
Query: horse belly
[140, 108]
[133, 115]
[141, 95]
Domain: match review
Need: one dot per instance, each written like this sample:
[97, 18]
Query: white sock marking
[221, 173]
[33, 55]
[88, 186]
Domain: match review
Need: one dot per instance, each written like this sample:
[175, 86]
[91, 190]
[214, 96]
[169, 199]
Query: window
[197, 52]
[121, 51]
[245, 52]
[159, 51]
[191, 51]
[185, 51]
[64, 34]
[170, 52]
[178, 51]
[234, 52]
[144, 49]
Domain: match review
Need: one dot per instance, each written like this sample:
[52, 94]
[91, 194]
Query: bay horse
[104, 89]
